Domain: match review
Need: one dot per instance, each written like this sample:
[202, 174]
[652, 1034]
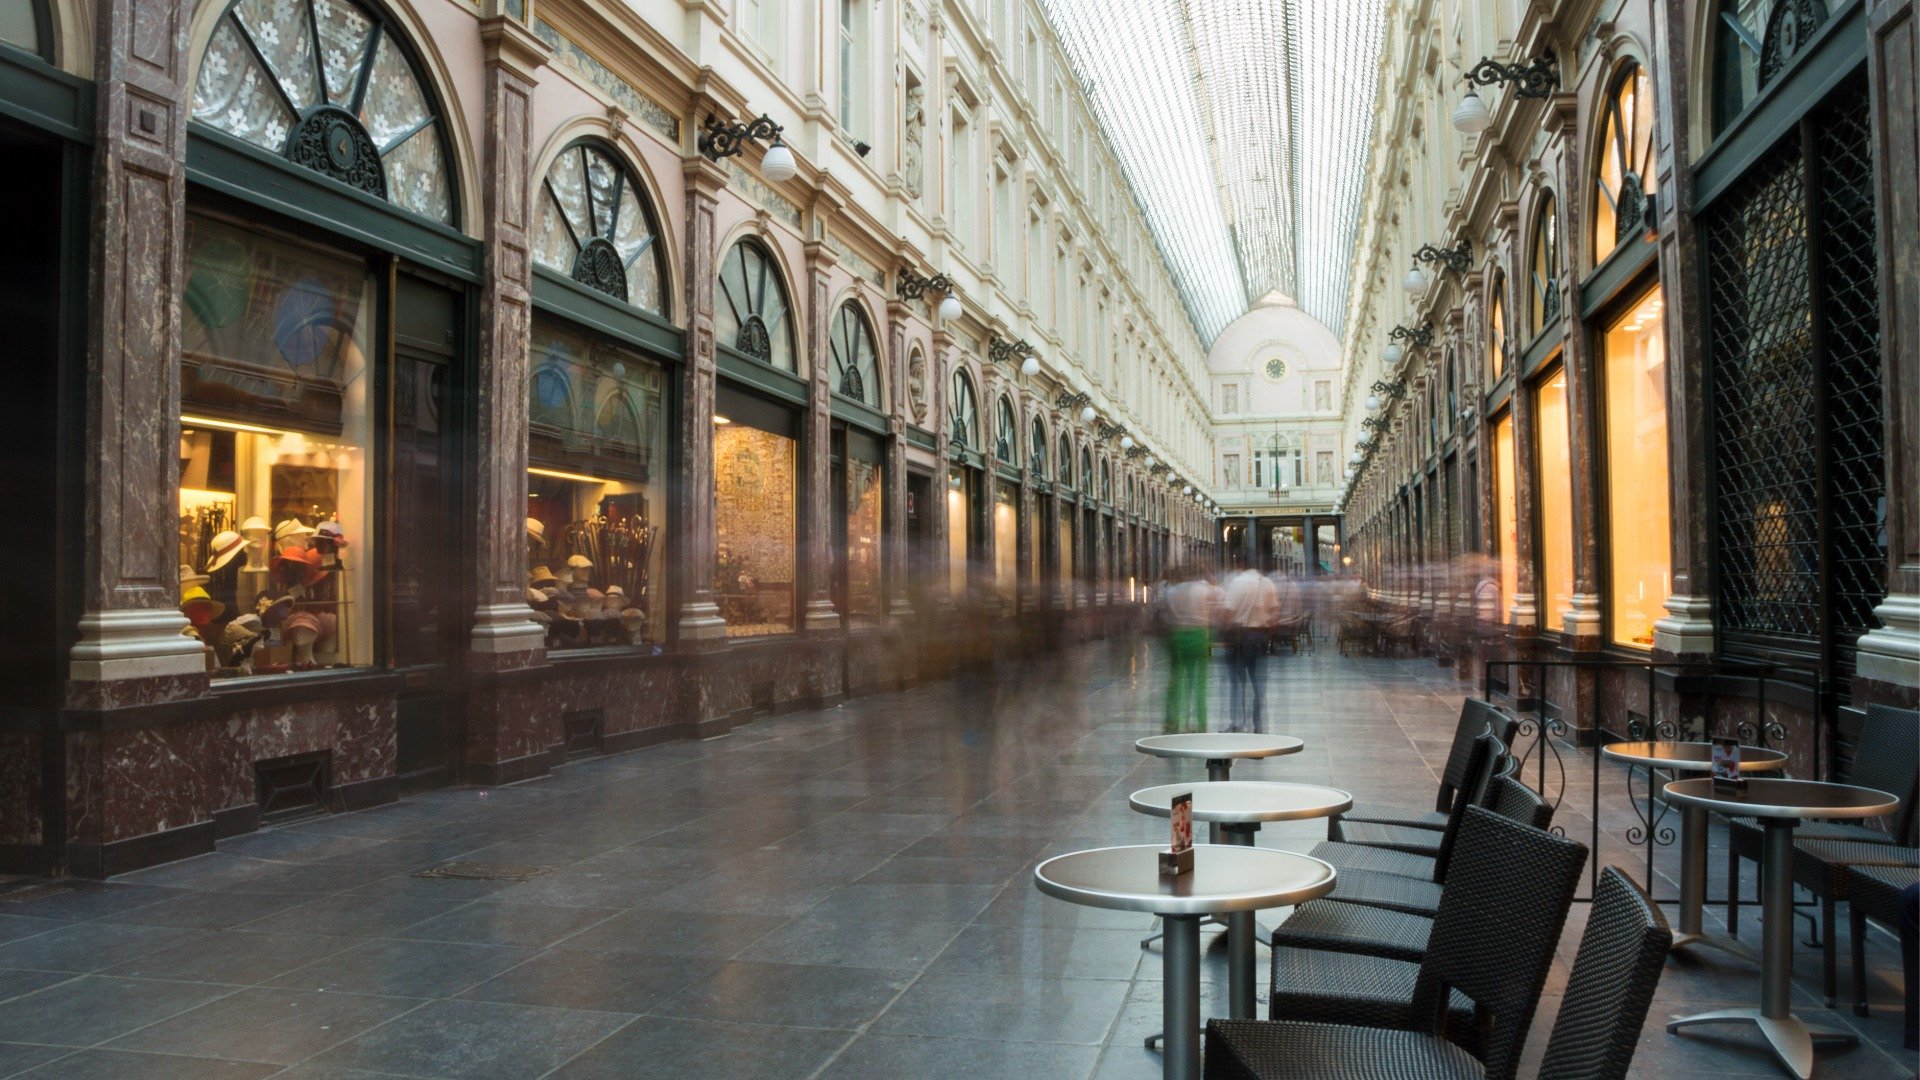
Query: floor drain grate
[486, 871]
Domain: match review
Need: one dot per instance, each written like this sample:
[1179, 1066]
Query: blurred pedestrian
[1248, 609]
[1188, 616]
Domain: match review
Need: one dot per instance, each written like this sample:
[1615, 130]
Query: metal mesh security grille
[1850, 320]
[1793, 325]
[1761, 327]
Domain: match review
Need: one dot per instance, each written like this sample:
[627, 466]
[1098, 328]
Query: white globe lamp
[1415, 282]
[1030, 366]
[778, 164]
[950, 308]
[1471, 116]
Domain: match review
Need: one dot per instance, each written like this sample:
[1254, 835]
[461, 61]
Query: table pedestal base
[1180, 1008]
[1790, 1038]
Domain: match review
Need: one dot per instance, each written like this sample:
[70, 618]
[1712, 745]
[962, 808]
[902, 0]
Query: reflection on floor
[840, 894]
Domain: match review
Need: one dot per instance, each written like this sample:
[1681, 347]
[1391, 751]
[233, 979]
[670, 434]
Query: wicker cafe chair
[1488, 952]
[1486, 758]
[1339, 923]
[1825, 869]
[1476, 717]
[1874, 894]
[1418, 840]
[1887, 758]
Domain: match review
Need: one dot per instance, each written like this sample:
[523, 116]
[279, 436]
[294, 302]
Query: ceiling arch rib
[1243, 128]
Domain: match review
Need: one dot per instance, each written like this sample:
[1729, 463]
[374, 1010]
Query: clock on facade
[1276, 369]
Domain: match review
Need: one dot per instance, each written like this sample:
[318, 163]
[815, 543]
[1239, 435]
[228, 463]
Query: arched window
[750, 312]
[1625, 177]
[1006, 432]
[553, 390]
[851, 345]
[330, 85]
[1545, 267]
[24, 23]
[963, 413]
[1037, 449]
[1752, 44]
[1066, 460]
[1086, 470]
[1106, 483]
[596, 227]
[1497, 327]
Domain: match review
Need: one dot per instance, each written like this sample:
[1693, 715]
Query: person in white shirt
[1250, 609]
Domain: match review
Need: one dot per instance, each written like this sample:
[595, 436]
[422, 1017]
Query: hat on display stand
[256, 530]
[331, 532]
[189, 577]
[274, 610]
[540, 577]
[292, 531]
[299, 566]
[199, 608]
[536, 530]
[226, 546]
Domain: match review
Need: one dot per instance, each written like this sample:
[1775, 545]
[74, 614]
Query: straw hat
[226, 546]
[536, 530]
[256, 530]
[540, 576]
[579, 562]
[189, 577]
[199, 608]
[291, 530]
[274, 610]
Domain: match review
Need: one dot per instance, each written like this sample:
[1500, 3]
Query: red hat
[300, 565]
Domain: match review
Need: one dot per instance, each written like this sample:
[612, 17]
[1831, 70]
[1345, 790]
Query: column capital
[512, 44]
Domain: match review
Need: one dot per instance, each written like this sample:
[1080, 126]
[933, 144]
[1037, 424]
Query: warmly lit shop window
[865, 490]
[957, 535]
[1639, 544]
[275, 435]
[1556, 501]
[1068, 567]
[756, 450]
[1006, 544]
[595, 494]
[1625, 179]
[1506, 509]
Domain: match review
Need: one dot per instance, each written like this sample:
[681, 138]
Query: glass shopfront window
[596, 453]
[1507, 515]
[1497, 328]
[865, 488]
[756, 482]
[1006, 544]
[1625, 179]
[957, 527]
[1633, 363]
[276, 437]
[1555, 464]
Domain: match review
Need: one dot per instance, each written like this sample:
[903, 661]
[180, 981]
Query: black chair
[1486, 759]
[1874, 893]
[1886, 757]
[1463, 1011]
[1476, 718]
[1340, 923]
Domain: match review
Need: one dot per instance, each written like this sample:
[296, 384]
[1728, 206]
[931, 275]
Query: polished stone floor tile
[424, 969]
[599, 979]
[91, 1010]
[481, 1039]
[666, 1048]
[270, 1024]
[91, 946]
[1012, 1009]
[788, 995]
[876, 1055]
[128, 1065]
[241, 957]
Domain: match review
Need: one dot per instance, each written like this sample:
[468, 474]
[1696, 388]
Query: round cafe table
[1239, 807]
[1219, 749]
[1224, 880]
[1695, 757]
[1779, 804]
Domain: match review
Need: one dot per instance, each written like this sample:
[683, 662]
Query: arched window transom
[963, 413]
[750, 312]
[1497, 327]
[856, 374]
[329, 85]
[1625, 179]
[1066, 460]
[596, 227]
[1006, 436]
[1037, 449]
[1545, 269]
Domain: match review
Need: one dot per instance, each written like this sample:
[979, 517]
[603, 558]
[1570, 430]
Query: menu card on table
[1179, 858]
[1726, 767]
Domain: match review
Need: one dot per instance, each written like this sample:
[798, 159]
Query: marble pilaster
[816, 510]
[699, 616]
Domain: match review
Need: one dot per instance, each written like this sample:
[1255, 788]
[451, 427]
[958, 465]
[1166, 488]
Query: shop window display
[756, 485]
[596, 228]
[957, 528]
[596, 446]
[865, 490]
[327, 85]
[275, 433]
[1006, 543]
[1634, 367]
[1556, 501]
[1507, 514]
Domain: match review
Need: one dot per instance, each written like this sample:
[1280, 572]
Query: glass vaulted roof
[1243, 127]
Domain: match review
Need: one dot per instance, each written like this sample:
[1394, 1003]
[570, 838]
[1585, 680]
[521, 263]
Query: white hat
[256, 529]
[226, 545]
[291, 529]
[190, 577]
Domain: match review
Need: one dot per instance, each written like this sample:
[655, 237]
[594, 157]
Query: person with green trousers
[1191, 604]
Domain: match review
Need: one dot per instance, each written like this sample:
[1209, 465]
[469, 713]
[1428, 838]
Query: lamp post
[719, 139]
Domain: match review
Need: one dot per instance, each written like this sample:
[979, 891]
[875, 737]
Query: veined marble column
[699, 617]
[504, 633]
[816, 514]
[1582, 625]
[894, 511]
[131, 650]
